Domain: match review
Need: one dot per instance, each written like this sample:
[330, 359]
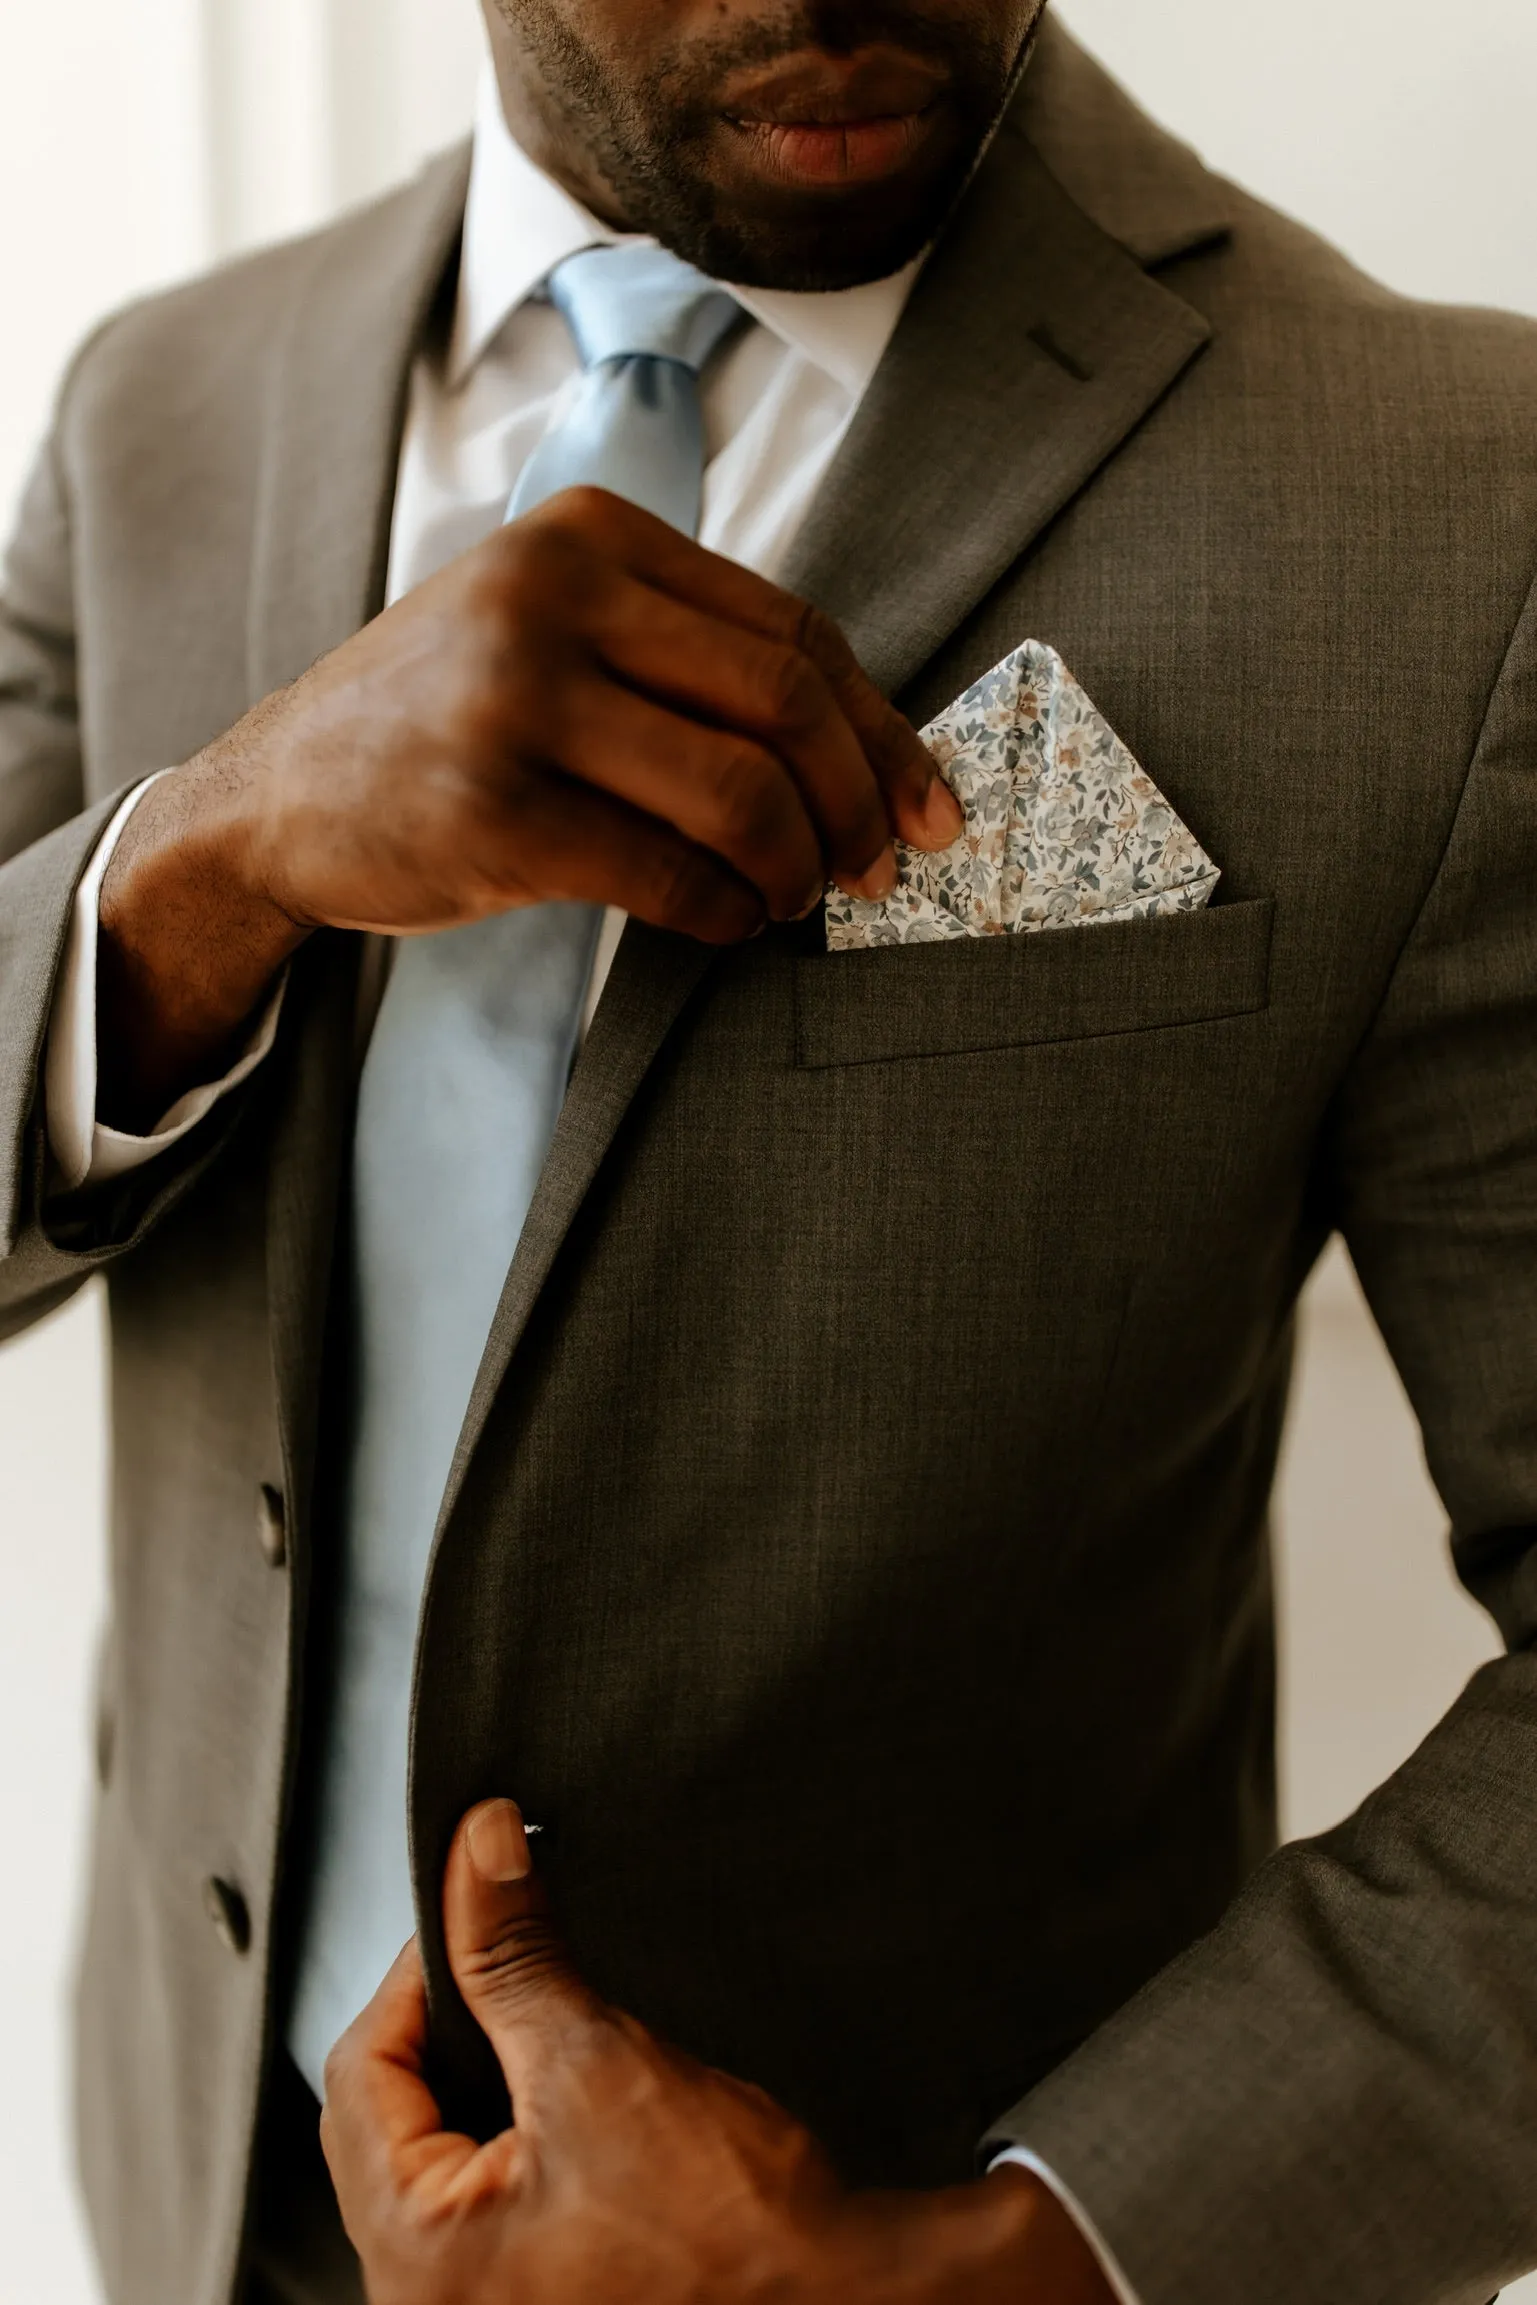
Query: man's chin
[762, 235]
[805, 264]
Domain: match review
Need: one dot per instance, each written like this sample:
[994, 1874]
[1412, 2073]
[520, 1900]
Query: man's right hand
[588, 705]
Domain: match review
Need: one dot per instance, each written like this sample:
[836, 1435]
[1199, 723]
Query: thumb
[506, 1957]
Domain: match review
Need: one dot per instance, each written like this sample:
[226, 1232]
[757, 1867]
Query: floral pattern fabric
[1063, 828]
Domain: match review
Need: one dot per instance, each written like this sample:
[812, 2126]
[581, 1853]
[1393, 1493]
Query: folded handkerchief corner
[1064, 829]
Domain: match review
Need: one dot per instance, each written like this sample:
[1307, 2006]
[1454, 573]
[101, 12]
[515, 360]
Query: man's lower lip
[843, 152]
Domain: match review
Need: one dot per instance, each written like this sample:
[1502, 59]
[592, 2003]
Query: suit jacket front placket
[1033, 346]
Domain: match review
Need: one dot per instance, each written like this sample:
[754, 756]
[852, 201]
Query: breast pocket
[1056, 985]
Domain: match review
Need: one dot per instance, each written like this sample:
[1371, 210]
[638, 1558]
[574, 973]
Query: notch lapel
[1033, 345]
[325, 492]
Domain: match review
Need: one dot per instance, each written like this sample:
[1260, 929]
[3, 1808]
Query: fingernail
[497, 1843]
[810, 905]
[880, 880]
[943, 817]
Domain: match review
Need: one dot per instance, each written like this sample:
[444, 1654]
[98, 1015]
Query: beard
[654, 138]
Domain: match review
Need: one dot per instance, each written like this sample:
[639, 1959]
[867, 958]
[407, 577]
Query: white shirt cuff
[82, 1151]
[1023, 2158]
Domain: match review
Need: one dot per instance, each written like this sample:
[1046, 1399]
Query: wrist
[1004, 2240]
[189, 942]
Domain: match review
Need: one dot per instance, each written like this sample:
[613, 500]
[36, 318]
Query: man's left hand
[634, 2175]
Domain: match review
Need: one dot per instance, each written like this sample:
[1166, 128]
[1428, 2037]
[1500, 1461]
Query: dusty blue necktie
[460, 1093]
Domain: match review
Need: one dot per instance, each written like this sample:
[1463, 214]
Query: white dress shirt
[776, 402]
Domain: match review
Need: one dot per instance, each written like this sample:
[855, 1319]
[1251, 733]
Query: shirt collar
[519, 224]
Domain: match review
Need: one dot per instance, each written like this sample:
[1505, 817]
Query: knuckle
[794, 692]
[591, 514]
[539, 563]
[421, 2215]
[565, 550]
[748, 801]
[675, 889]
[816, 635]
[694, 896]
[522, 1957]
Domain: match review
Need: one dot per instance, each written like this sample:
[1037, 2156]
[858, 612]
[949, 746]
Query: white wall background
[138, 143]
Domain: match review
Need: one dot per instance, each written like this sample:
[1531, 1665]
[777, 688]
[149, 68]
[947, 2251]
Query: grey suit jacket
[856, 1553]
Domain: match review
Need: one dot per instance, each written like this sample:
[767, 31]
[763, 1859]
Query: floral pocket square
[1063, 828]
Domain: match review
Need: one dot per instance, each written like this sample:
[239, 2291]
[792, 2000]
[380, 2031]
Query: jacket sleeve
[46, 842]
[1335, 2093]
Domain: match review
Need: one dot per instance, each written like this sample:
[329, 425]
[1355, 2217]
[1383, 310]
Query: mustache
[968, 56]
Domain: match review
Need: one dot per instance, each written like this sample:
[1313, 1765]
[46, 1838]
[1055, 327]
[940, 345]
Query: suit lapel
[1033, 345]
[652, 976]
[324, 496]
[334, 420]
[308, 1148]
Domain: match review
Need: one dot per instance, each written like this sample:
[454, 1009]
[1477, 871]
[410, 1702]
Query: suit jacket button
[271, 1525]
[229, 1913]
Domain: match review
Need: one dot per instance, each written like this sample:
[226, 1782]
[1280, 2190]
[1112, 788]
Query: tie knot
[641, 299]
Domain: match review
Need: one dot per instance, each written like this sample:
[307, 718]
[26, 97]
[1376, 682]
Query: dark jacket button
[229, 1913]
[271, 1525]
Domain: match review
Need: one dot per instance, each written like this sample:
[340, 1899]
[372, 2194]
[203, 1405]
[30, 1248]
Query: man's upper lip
[831, 91]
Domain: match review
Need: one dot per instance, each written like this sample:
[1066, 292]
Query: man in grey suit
[847, 1480]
